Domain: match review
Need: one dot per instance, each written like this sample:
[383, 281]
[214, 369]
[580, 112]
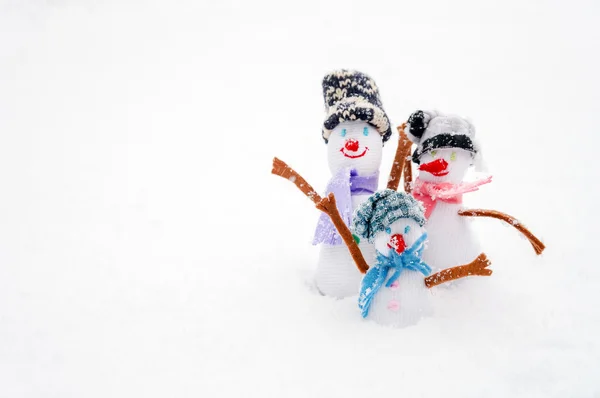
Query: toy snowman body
[451, 238]
[445, 151]
[393, 291]
[406, 300]
[355, 128]
[354, 149]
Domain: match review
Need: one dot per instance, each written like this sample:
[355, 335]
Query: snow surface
[146, 251]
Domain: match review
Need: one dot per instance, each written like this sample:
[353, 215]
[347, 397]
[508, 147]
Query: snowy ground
[146, 251]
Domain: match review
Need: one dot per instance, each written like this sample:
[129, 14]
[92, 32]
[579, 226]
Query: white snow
[146, 250]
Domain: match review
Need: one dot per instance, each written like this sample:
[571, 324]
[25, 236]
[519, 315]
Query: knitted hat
[432, 130]
[382, 209]
[349, 96]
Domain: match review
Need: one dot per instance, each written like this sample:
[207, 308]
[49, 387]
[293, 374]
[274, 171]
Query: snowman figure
[446, 148]
[355, 129]
[393, 291]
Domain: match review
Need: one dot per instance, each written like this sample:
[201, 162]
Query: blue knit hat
[351, 96]
[382, 209]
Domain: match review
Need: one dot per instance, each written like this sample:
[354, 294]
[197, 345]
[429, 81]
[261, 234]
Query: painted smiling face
[399, 236]
[357, 145]
[445, 165]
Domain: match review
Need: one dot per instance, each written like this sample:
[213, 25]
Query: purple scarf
[343, 185]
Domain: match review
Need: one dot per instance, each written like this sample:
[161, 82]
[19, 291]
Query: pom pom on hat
[349, 96]
[382, 209]
[417, 124]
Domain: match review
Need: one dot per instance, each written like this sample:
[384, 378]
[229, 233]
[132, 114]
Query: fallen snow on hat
[382, 209]
[349, 96]
[433, 130]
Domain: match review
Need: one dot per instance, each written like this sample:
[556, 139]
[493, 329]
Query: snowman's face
[357, 145]
[445, 165]
[399, 236]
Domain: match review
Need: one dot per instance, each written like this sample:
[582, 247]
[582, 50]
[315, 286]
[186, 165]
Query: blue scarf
[409, 259]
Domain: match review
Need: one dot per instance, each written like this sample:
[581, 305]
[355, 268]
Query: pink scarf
[430, 192]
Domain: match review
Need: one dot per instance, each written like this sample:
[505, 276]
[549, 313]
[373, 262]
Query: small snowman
[355, 129]
[446, 149]
[393, 291]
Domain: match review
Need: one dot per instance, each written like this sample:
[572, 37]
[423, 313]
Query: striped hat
[351, 96]
[382, 209]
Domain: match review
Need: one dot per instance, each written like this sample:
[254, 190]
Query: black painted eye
[417, 124]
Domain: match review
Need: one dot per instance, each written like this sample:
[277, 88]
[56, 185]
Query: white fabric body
[337, 275]
[409, 300]
[339, 157]
[402, 305]
[451, 240]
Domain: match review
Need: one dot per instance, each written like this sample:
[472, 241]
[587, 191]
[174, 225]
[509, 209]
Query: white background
[145, 249]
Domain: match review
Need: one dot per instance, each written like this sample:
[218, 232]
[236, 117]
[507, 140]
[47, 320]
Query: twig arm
[399, 159]
[476, 267]
[326, 205]
[281, 169]
[407, 172]
[537, 244]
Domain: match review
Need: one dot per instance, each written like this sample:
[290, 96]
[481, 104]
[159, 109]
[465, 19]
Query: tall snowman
[355, 129]
[446, 148]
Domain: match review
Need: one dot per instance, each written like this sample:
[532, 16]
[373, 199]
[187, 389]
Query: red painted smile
[437, 167]
[354, 156]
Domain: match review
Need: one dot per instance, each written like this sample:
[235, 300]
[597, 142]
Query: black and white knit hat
[350, 95]
[433, 130]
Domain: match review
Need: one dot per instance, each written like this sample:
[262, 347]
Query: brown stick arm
[407, 172]
[326, 205]
[537, 244]
[281, 169]
[476, 267]
[399, 159]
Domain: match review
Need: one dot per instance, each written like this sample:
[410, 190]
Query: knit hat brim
[444, 141]
[382, 209]
[353, 109]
